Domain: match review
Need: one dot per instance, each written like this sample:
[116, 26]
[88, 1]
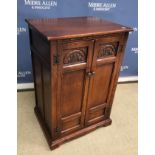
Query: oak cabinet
[76, 63]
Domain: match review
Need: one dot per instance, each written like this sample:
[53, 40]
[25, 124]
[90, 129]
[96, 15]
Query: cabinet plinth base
[56, 143]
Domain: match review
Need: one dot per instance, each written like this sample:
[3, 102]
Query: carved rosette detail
[106, 50]
[75, 56]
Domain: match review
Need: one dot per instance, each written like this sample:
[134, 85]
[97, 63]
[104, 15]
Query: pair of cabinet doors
[86, 75]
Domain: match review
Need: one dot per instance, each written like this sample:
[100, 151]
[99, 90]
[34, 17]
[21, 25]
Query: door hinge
[56, 59]
[57, 130]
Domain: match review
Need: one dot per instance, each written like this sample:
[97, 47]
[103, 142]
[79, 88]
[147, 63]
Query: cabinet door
[75, 63]
[103, 71]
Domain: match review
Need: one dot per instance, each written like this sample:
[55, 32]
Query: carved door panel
[75, 62]
[103, 71]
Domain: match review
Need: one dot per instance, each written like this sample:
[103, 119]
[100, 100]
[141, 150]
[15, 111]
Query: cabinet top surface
[70, 27]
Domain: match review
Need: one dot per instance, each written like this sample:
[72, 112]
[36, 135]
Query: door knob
[93, 73]
[90, 74]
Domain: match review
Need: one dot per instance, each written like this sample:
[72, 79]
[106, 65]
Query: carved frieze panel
[75, 56]
[107, 50]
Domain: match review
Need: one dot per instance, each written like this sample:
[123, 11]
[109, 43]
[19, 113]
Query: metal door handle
[93, 73]
[90, 74]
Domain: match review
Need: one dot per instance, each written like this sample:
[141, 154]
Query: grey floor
[118, 139]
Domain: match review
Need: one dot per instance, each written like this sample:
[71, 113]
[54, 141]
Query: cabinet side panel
[40, 48]
[42, 88]
[38, 83]
[47, 95]
[41, 45]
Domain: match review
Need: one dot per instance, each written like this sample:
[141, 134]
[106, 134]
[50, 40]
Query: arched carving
[75, 56]
[106, 50]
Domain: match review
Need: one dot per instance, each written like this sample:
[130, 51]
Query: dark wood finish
[73, 27]
[103, 65]
[76, 64]
[73, 83]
